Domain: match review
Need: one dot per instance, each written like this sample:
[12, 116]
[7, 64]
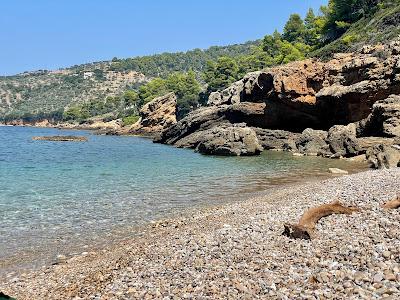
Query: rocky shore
[348, 106]
[238, 251]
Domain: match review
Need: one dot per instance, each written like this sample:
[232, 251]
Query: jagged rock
[314, 94]
[384, 119]
[230, 141]
[342, 140]
[198, 120]
[301, 95]
[276, 139]
[207, 117]
[383, 156]
[155, 116]
[313, 142]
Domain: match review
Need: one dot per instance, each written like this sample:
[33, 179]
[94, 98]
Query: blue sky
[50, 34]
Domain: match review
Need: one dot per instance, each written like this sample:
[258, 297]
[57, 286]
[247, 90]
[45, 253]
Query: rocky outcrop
[313, 142]
[383, 156]
[276, 139]
[229, 140]
[156, 116]
[384, 119]
[342, 140]
[314, 94]
[308, 107]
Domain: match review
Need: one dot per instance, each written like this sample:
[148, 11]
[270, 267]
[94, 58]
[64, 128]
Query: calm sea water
[61, 198]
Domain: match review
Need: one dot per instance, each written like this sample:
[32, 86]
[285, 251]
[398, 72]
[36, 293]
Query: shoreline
[29, 263]
[168, 258]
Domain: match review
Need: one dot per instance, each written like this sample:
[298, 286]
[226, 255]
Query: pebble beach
[237, 251]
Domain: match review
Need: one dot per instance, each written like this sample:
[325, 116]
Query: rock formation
[311, 107]
[155, 116]
[230, 140]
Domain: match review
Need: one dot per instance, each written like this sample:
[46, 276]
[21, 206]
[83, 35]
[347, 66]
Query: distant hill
[48, 91]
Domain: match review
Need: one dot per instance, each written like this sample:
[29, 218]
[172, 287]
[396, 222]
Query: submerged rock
[61, 138]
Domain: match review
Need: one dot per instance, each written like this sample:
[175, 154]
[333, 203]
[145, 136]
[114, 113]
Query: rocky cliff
[155, 116]
[311, 107]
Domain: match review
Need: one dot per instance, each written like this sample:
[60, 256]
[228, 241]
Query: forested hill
[161, 65]
[44, 92]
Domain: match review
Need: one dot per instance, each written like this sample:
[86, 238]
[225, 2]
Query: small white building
[87, 75]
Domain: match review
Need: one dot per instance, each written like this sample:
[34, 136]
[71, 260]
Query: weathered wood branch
[392, 204]
[306, 226]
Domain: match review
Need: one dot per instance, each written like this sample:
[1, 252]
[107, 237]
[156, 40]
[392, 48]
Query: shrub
[130, 120]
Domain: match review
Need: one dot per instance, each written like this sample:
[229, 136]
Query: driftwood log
[392, 204]
[306, 226]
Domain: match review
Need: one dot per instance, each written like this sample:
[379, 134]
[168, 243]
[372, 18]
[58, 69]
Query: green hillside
[51, 91]
[382, 26]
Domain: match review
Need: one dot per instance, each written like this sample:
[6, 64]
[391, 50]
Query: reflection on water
[58, 197]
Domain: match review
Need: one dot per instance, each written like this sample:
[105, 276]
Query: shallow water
[61, 198]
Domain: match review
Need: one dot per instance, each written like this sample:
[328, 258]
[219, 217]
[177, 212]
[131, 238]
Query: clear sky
[50, 34]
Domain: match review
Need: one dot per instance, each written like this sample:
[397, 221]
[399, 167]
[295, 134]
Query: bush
[130, 120]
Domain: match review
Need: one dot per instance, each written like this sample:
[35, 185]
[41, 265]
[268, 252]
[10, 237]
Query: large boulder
[276, 139]
[156, 116]
[384, 119]
[229, 140]
[198, 120]
[383, 156]
[313, 142]
[342, 140]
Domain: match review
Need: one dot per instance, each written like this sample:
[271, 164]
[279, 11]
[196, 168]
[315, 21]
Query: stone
[342, 140]
[230, 141]
[384, 119]
[312, 142]
[382, 156]
[337, 171]
[276, 139]
[61, 138]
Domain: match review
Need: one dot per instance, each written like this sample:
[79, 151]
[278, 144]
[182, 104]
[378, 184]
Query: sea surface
[66, 198]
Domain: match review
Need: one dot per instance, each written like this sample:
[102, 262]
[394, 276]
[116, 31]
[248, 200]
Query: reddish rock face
[156, 115]
[315, 94]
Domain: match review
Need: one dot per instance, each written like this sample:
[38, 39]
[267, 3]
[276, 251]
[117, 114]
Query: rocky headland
[346, 107]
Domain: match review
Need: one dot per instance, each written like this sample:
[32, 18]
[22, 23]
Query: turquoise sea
[65, 198]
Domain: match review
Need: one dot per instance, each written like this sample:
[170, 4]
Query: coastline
[237, 250]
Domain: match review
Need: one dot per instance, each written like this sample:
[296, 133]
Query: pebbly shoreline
[238, 251]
